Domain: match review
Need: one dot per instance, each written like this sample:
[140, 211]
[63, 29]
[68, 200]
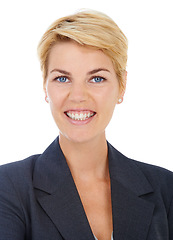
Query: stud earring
[47, 99]
[120, 100]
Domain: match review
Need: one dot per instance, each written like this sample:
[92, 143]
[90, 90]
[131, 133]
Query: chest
[96, 200]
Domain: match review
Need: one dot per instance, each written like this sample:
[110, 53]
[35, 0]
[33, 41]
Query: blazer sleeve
[12, 225]
[170, 220]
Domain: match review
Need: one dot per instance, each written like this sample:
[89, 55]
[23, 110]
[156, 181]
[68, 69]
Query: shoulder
[156, 175]
[160, 179]
[18, 172]
[24, 164]
[16, 191]
[153, 173]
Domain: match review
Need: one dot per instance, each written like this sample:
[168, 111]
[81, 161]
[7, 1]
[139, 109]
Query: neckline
[111, 237]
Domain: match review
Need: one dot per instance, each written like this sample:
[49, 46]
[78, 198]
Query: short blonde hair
[88, 28]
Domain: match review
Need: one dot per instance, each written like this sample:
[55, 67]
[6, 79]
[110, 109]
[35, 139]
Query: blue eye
[61, 79]
[97, 79]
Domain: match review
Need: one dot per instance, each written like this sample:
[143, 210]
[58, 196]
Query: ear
[46, 95]
[123, 88]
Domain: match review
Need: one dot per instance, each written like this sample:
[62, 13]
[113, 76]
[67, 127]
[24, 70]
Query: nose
[78, 92]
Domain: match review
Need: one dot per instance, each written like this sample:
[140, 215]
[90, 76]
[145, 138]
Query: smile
[80, 115]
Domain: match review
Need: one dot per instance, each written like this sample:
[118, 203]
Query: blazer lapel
[58, 196]
[131, 213]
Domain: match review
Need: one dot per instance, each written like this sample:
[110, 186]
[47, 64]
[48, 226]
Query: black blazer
[39, 200]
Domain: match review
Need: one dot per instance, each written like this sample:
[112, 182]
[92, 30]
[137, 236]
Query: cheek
[109, 103]
[108, 98]
[55, 101]
[55, 95]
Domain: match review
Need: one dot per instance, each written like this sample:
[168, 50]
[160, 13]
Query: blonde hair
[88, 28]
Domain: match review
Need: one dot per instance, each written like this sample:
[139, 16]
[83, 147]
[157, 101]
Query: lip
[79, 122]
[79, 110]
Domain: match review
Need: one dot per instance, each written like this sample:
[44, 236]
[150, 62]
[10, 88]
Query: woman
[81, 188]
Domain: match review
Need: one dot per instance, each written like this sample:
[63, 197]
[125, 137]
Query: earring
[120, 100]
[47, 99]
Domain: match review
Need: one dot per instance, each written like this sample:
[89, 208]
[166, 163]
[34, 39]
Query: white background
[141, 127]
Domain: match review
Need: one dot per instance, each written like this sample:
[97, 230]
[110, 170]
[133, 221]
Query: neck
[86, 159]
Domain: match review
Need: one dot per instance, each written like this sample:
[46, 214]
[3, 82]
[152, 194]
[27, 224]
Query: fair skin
[82, 90]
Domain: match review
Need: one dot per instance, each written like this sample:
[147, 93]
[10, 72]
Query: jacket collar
[131, 213]
[57, 194]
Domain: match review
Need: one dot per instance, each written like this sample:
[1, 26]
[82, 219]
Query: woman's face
[82, 89]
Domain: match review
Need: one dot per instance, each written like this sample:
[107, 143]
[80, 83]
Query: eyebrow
[89, 73]
[97, 70]
[61, 71]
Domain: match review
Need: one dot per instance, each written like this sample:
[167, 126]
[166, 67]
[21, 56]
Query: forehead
[70, 54]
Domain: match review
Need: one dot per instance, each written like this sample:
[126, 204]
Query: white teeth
[79, 116]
